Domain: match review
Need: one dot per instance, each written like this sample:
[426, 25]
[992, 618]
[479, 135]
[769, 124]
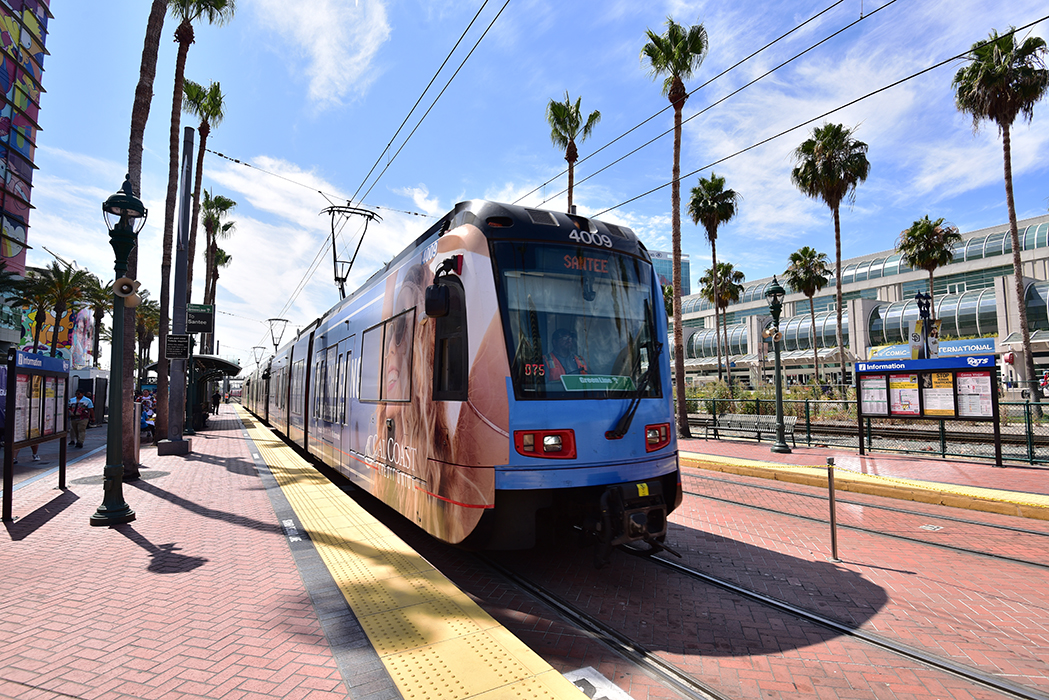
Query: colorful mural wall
[76, 335]
[23, 33]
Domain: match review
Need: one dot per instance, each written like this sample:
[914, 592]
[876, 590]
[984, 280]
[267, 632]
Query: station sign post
[948, 388]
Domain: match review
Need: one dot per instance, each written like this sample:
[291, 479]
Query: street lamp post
[775, 294]
[125, 216]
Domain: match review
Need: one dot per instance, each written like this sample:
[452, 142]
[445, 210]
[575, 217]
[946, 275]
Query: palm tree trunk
[139, 115]
[837, 298]
[815, 345]
[95, 341]
[571, 158]
[717, 306]
[675, 204]
[184, 36]
[728, 352]
[59, 313]
[1036, 392]
[203, 131]
[932, 300]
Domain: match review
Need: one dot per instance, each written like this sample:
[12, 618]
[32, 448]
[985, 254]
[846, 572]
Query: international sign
[177, 347]
[200, 318]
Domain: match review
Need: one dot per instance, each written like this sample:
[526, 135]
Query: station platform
[246, 574]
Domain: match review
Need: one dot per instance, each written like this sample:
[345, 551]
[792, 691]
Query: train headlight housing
[547, 444]
[657, 436]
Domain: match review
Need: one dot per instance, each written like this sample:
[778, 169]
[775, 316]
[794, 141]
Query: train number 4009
[588, 238]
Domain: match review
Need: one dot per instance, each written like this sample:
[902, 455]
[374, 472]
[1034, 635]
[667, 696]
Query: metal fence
[832, 423]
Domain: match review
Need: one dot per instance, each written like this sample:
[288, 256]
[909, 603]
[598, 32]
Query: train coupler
[629, 513]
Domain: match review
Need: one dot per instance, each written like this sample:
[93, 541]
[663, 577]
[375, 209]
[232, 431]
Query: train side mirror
[437, 301]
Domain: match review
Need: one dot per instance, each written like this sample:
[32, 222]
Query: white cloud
[338, 39]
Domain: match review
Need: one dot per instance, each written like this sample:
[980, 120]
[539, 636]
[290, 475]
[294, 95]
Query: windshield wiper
[642, 385]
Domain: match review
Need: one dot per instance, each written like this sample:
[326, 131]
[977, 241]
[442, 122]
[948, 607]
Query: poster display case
[950, 388]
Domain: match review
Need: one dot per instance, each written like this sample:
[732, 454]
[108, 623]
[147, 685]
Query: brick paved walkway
[197, 598]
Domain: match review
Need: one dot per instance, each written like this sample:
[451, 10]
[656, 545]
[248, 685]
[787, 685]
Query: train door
[339, 399]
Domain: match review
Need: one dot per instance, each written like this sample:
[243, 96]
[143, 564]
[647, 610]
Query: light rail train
[502, 377]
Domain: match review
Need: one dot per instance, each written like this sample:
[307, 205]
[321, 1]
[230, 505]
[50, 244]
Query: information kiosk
[948, 388]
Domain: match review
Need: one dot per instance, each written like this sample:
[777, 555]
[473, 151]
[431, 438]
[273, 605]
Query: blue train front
[501, 380]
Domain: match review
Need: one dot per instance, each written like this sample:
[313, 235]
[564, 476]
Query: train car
[502, 377]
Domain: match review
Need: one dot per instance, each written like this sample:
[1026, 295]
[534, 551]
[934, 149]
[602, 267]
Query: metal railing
[832, 423]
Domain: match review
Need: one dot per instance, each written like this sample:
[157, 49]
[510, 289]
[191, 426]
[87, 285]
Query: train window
[450, 378]
[340, 406]
[371, 363]
[331, 385]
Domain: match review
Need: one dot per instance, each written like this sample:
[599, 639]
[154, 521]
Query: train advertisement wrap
[502, 372]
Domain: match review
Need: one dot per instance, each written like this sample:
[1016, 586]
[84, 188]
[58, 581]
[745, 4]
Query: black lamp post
[125, 216]
[775, 294]
[923, 301]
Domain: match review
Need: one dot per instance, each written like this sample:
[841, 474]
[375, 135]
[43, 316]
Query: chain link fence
[832, 423]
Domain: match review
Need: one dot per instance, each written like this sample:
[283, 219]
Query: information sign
[975, 395]
[200, 318]
[177, 347]
[938, 393]
[903, 395]
[874, 397]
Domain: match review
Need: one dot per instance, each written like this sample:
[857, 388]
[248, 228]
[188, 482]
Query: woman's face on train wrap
[397, 381]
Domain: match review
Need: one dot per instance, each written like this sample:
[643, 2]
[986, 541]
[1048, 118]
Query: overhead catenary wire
[700, 87]
[805, 123]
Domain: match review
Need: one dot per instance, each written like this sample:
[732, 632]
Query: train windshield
[579, 321]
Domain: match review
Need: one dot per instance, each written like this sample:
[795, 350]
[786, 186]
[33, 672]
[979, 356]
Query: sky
[315, 92]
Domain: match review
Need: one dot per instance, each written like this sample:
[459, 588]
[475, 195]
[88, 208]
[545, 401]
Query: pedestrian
[216, 399]
[81, 412]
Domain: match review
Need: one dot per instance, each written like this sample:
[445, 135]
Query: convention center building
[974, 296]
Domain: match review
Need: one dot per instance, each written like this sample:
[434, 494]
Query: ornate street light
[277, 326]
[125, 216]
[775, 293]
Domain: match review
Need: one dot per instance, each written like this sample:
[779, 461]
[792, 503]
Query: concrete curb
[1023, 505]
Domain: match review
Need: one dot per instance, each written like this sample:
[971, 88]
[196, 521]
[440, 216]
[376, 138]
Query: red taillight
[657, 436]
[549, 444]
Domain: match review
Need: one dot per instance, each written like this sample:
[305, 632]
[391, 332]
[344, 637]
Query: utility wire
[730, 94]
[722, 73]
[821, 116]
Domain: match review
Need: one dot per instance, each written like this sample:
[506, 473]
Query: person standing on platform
[81, 412]
[216, 399]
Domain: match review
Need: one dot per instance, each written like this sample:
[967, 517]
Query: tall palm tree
[139, 117]
[566, 125]
[830, 166]
[64, 289]
[927, 245]
[730, 288]
[712, 205]
[187, 12]
[1003, 81]
[808, 274]
[222, 259]
[99, 297]
[215, 209]
[206, 104]
[676, 54]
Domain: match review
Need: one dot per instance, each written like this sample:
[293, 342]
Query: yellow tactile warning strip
[436, 643]
[1025, 505]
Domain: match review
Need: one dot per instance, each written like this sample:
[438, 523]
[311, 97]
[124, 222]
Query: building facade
[664, 266]
[974, 297]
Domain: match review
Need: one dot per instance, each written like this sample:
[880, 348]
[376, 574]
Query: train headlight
[549, 444]
[657, 436]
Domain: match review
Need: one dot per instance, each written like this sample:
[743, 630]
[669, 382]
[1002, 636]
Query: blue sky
[315, 91]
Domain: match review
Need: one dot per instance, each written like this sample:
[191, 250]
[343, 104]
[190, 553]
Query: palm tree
[566, 125]
[222, 259]
[100, 298]
[205, 103]
[1003, 81]
[712, 205]
[927, 245]
[215, 209]
[31, 293]
[139, 117]
[730, 289]
[677, 54]
[830, 166]
[63, 287]
[808, 274]
[187, 12]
